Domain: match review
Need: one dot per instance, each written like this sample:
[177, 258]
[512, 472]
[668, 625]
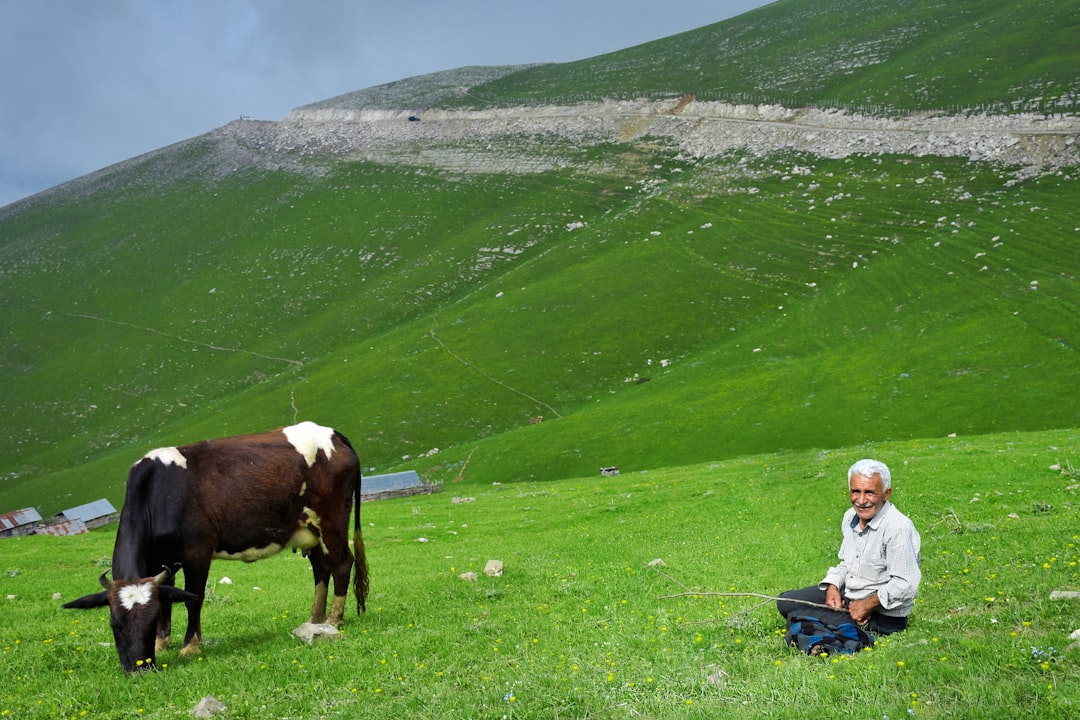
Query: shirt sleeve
[902, 556]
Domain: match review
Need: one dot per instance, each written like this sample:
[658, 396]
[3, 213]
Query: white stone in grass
[310, 632]
[469, 576]
[717, 676]
[1075, 637]
[1065, 595]
[494, 568]
[208, 707]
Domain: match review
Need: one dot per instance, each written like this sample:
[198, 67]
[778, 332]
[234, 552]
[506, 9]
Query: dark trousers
[880, 624]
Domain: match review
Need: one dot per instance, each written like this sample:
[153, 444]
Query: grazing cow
[239, 498]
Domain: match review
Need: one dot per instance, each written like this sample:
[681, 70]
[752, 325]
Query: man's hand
[833, 598]
[860, 609]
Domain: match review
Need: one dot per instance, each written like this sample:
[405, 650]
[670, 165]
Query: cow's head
[134, 609]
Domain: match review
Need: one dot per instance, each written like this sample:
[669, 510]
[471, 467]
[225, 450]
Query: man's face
[868, 496]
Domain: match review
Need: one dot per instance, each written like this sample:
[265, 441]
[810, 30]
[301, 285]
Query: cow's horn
[104, 580]
[162, 577]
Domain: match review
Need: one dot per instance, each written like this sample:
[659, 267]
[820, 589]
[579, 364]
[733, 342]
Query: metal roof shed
[392, 485]
[19, 522]
[94, 514]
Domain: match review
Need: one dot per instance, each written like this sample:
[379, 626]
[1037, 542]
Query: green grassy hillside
[656, 310]
[908, 55]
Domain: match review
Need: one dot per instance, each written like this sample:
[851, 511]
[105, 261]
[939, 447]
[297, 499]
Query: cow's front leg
[164, 628]
[195, 583]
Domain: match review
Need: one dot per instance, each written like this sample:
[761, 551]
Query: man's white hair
[869, 468]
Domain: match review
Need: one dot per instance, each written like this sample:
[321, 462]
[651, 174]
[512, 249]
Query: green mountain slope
[654, 309]
[998, 55]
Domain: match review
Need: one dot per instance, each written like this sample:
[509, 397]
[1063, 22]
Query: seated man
[874, 585]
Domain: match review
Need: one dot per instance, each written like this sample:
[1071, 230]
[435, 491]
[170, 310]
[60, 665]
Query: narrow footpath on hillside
[485, 374]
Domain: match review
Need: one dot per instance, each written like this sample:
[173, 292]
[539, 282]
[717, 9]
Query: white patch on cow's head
[168, 456]
[309, 438]
[132, 595]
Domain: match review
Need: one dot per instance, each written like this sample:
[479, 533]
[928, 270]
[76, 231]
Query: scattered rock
[226, 580]
[57, 596]
[470, 576]
[494, 568]
[716, 677]
[1065, 595]
[310, 632]
[462, 500]
[208, 707]
[657, 563]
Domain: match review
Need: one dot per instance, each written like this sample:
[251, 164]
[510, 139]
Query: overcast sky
[88, 83]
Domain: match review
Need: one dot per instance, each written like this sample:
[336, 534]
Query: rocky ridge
[530, 139]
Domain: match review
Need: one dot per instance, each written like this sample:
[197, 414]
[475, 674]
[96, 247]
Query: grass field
[580, 626]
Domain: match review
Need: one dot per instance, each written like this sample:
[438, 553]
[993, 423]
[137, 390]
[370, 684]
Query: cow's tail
[360, 581]
[360, 577]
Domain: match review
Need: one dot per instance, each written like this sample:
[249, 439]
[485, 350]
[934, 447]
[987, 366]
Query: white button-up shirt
[881, 558]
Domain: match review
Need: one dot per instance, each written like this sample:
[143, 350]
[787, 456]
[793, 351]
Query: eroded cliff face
[536, 139]
[529, 139]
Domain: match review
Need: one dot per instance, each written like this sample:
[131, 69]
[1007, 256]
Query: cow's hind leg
[341, 563]
[321, 572]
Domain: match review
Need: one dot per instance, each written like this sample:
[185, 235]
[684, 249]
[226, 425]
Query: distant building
[19, 522]
[92, 515]
[609, 471]
[392, 485]
[70, 527]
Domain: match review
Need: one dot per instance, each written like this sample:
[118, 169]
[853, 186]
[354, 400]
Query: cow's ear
[170, 594]
[87, 602]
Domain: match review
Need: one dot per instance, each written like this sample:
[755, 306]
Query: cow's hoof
[192, 648]
[160, 644]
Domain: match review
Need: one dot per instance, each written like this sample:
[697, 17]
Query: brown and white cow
[238, 498]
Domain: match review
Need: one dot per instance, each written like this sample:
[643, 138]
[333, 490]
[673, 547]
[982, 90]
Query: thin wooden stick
[745, 594]
[684, 587]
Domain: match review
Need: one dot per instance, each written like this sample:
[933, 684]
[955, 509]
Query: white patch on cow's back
[309, 438]
[132, 595]
[168, 456]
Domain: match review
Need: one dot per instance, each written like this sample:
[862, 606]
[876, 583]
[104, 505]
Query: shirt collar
[874, 521]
